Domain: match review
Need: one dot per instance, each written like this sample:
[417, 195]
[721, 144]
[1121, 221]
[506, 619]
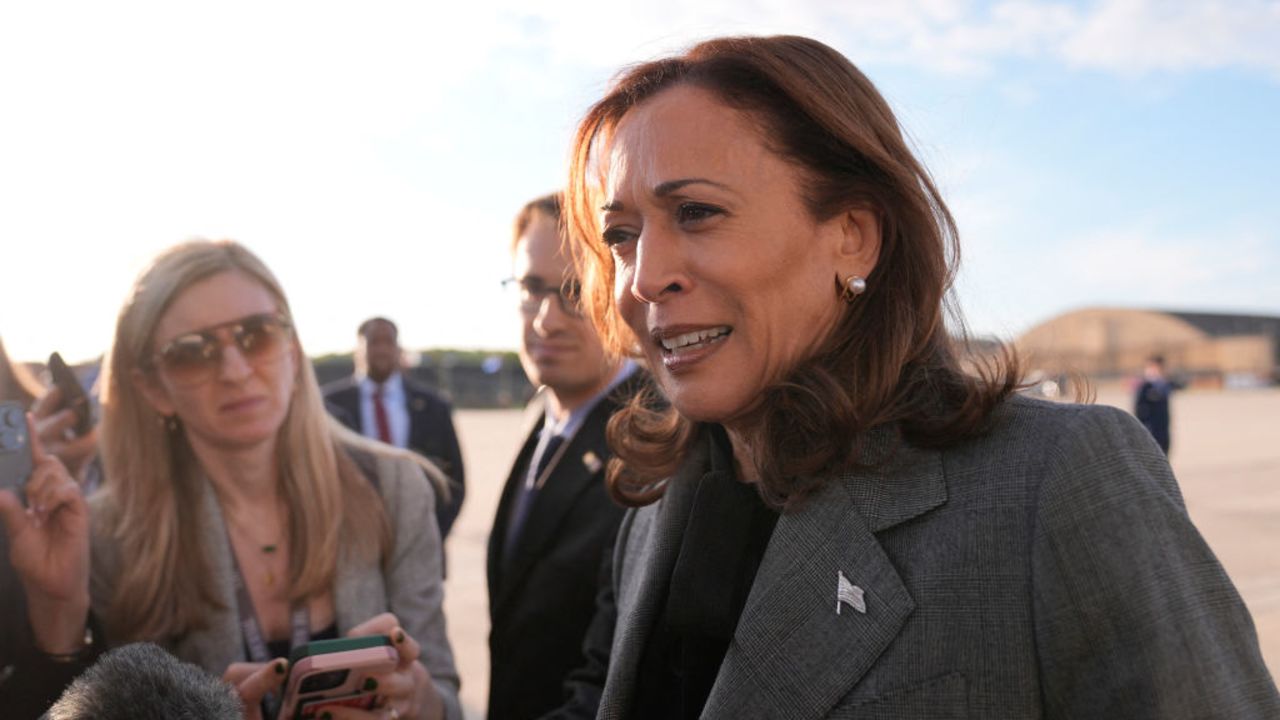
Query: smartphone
[73, 395]
[332, 673]
[15, 449]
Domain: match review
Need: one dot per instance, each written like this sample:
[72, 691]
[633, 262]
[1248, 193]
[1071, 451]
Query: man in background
[1151, 402]
[383, 403]
[555, 521]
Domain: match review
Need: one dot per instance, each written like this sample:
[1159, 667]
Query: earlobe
[153, 392]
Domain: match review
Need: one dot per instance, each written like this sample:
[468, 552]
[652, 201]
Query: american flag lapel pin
[849, 594]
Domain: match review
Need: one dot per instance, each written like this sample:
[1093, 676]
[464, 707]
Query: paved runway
[1226, 454]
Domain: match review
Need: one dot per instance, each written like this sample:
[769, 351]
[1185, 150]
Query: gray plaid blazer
[1046, 569]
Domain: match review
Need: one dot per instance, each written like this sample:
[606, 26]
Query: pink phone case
[350, 692]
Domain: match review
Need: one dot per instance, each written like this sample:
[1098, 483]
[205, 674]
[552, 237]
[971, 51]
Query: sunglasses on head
[196, 357]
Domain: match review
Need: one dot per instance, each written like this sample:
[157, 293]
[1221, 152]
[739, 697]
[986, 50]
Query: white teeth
[692, 338]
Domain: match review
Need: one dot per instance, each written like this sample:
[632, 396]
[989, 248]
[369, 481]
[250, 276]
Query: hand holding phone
[409, 690]
[61, 415]
[254, 682]
[73, 396]
[49, 539]
[335, 673]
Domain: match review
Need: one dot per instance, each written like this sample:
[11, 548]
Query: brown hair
[890, 359]
[548, 205]
[152, 493]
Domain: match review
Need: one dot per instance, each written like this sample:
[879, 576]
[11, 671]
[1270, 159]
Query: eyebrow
[666, 188]
[670, 186]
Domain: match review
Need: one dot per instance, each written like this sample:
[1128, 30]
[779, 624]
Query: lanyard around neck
[255, 642]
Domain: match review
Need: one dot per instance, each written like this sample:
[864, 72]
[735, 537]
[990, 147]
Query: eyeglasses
[196, 357]
[533, 290]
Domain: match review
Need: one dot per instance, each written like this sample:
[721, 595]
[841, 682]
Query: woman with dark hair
[840, 513]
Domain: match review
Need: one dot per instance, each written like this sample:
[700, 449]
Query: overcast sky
[1121, 152]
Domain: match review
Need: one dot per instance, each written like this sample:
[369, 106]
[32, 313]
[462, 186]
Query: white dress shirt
[396, 403]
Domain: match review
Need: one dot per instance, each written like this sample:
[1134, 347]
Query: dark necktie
[526, 493]
[380, 415]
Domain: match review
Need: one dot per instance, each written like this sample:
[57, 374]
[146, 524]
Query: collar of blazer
[792, 655]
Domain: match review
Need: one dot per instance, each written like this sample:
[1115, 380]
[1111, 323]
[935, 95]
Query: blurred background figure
[54, 421]
[382, 402]
[555, 521]
[17, 383]
[44, 594]
[29, 677]
[1151, 401]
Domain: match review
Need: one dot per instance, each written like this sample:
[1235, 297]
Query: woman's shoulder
[1030, 442]
[396, 474]
[1044, 425]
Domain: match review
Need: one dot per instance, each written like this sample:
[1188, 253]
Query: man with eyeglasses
[555, 521]
[381, 402]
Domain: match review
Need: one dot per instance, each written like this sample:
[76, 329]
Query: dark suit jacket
[1151, 407]
[541, 598]
[1047, 569]
[431, 434]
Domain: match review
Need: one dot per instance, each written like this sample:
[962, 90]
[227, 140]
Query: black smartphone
[73, 395]
[15, 449]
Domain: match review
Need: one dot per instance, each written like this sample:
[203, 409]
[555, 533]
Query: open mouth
[693, 340]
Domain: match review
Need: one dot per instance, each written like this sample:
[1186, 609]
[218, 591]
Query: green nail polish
[280, 667]
[370, 684]
[399, 636]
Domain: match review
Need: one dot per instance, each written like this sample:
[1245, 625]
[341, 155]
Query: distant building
[1207, 349]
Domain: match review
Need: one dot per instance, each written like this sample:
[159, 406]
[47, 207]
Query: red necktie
[380, 415]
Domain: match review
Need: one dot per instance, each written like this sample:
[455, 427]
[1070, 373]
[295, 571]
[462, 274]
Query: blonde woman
[237, 519]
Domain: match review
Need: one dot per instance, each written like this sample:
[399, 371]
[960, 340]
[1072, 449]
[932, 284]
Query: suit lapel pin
[849, 594]
[592, 461]
[419, 404]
